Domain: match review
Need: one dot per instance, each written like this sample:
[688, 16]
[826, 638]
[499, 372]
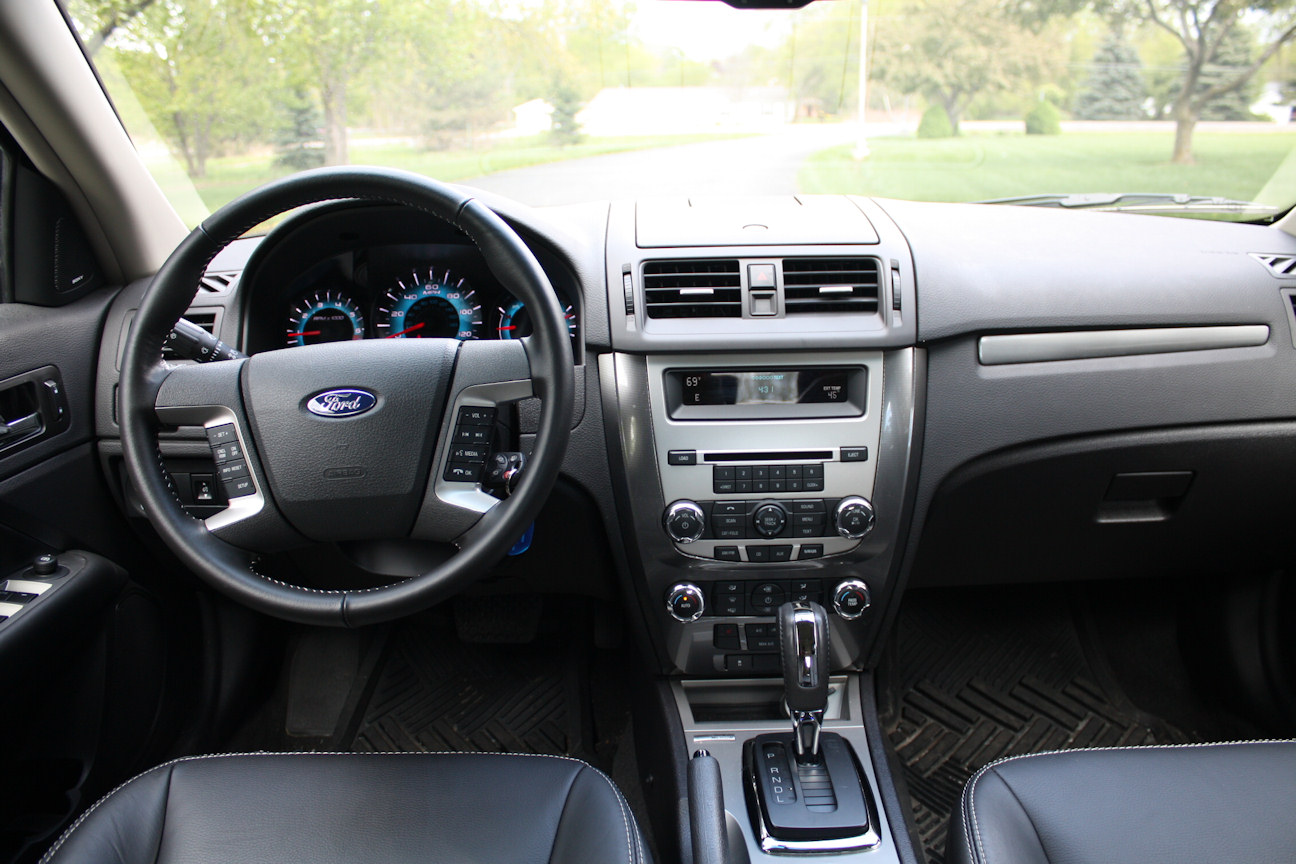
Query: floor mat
[439, 693]
[973, 676]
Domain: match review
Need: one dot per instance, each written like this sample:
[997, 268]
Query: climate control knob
[684, 521]
[854, 517]
[684, 602]
[769, 520]
[850, 598]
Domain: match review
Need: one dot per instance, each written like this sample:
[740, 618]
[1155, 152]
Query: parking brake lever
[803, 647]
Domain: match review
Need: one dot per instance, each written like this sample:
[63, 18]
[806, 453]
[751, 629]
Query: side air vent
[1279, 266]
[692, 289]
[214, 282]
[830, 285]
[204, 318]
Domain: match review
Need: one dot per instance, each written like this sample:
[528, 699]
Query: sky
[706, 29]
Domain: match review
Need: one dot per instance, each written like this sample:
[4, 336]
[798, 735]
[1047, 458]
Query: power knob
[854, 517]
[684, 602]
[850, 598]
[684, 521]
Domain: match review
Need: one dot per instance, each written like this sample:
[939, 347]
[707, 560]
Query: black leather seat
[331, 808]
[1222, 803]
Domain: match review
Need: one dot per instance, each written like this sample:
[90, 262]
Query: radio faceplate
[727, 456]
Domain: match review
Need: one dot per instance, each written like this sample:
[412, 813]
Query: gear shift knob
[803, 647]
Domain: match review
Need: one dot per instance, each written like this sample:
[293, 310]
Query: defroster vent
[830, 285]
[709, 288]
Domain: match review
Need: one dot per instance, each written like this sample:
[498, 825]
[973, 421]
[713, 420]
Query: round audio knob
[684, 521]
[854, 517]
[684, 602]
[770, 520]
[850, 598]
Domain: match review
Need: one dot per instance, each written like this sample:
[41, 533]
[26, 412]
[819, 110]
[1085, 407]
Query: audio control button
[769, 520]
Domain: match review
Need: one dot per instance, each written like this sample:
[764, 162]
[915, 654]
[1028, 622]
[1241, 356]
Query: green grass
[979, 166]
[231, 176]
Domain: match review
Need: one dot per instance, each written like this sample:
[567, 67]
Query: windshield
[1166, 106]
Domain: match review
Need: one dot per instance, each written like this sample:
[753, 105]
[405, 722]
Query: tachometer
[514, 322]
[324, 316]
[431, 305]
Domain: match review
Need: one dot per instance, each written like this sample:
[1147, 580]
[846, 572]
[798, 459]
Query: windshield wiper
[1138, 202]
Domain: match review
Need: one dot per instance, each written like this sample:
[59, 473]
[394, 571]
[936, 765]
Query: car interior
[715, 530]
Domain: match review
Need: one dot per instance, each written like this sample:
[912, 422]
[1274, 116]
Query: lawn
[979, 166]
[231, 176]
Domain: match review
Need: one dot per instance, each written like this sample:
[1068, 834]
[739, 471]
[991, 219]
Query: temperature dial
[684, 602]
[684, 521]
[854, 517]
[850, 598]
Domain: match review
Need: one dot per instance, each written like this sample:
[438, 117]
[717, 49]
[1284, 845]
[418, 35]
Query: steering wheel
[366, 440]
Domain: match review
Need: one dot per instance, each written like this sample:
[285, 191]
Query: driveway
[759, 165]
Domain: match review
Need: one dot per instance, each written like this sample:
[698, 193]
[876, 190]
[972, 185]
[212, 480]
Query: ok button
[770, 520]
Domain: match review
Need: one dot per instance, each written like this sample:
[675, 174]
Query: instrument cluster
[406, 291]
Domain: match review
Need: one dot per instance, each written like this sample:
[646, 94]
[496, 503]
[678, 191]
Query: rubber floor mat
[974, 676]
[435, 692]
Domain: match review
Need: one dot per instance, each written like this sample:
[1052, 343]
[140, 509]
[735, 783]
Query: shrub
[1044, 119]
[935, 123]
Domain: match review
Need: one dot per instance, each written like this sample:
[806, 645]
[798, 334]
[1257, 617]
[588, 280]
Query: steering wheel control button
[469, 453]
[851, 599]
[681, 457]
[472, 435]
[854, 454]
[227, 452]
[239, 488]
[810, 551]
[232, 470]
[769, 520]
[854, 517]
[684, 602]
[460, 472]
[224, 434]
[202, 488]
[476, 415]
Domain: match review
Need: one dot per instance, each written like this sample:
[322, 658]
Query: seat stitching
[571, 784]
[970, 789]
[77, 824]
[621, 806]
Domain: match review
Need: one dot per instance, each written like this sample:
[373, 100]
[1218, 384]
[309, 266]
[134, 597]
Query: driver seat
[346, 808]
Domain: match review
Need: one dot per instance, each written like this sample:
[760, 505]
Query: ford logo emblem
[341, 403]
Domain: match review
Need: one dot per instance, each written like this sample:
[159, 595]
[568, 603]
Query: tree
[191, 64]
[1202, 28]
[297, 141]
[329, 43]
[98, 20]
[1236, 53]
[952, 50]
[565, 106]
[1115, 89]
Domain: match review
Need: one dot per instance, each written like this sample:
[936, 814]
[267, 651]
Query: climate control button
[685, 603]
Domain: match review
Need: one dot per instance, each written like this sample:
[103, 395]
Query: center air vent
[218, 281]
[692, 289]
[830, 285]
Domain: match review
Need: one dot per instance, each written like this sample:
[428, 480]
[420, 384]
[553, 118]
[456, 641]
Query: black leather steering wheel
[356, 467]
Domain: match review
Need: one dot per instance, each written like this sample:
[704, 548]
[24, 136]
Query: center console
[762, 408]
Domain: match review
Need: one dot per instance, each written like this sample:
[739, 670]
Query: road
[760, 165]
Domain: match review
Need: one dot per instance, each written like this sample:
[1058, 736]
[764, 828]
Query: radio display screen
[816, 385]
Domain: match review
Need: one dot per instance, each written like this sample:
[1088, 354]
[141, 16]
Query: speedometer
[430, 305]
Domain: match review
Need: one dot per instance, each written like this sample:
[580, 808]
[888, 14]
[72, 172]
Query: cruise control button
[218, 435]
[227, 452]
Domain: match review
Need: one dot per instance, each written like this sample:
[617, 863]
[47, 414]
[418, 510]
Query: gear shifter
[805, 790]
[803, 643]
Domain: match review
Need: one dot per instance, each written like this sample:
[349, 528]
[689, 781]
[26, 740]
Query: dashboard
[840, 398]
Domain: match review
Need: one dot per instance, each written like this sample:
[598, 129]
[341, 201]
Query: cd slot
[770, 456]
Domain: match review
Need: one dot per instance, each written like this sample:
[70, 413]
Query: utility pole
[861, 142]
